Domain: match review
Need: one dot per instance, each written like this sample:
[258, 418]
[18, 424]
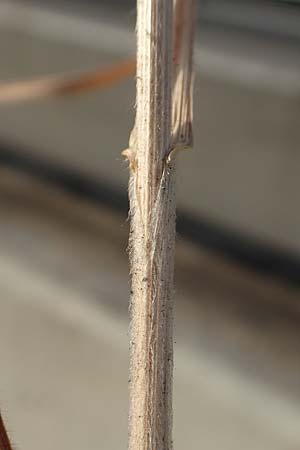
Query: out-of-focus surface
[63, 335]
[243, 172]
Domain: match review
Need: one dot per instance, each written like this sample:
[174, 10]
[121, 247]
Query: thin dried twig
[162, 126]
[50, 86]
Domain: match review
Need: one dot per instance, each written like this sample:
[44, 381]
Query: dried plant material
[4, 439]
[182, 107]
[162, 126]
[152, 279]
[51, 86]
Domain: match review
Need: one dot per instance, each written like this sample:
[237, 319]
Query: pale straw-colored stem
[163, 123]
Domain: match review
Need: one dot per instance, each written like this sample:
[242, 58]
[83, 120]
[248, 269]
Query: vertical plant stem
[153, 211]
[152, 240]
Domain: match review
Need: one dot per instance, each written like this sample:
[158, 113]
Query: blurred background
[63, 229]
